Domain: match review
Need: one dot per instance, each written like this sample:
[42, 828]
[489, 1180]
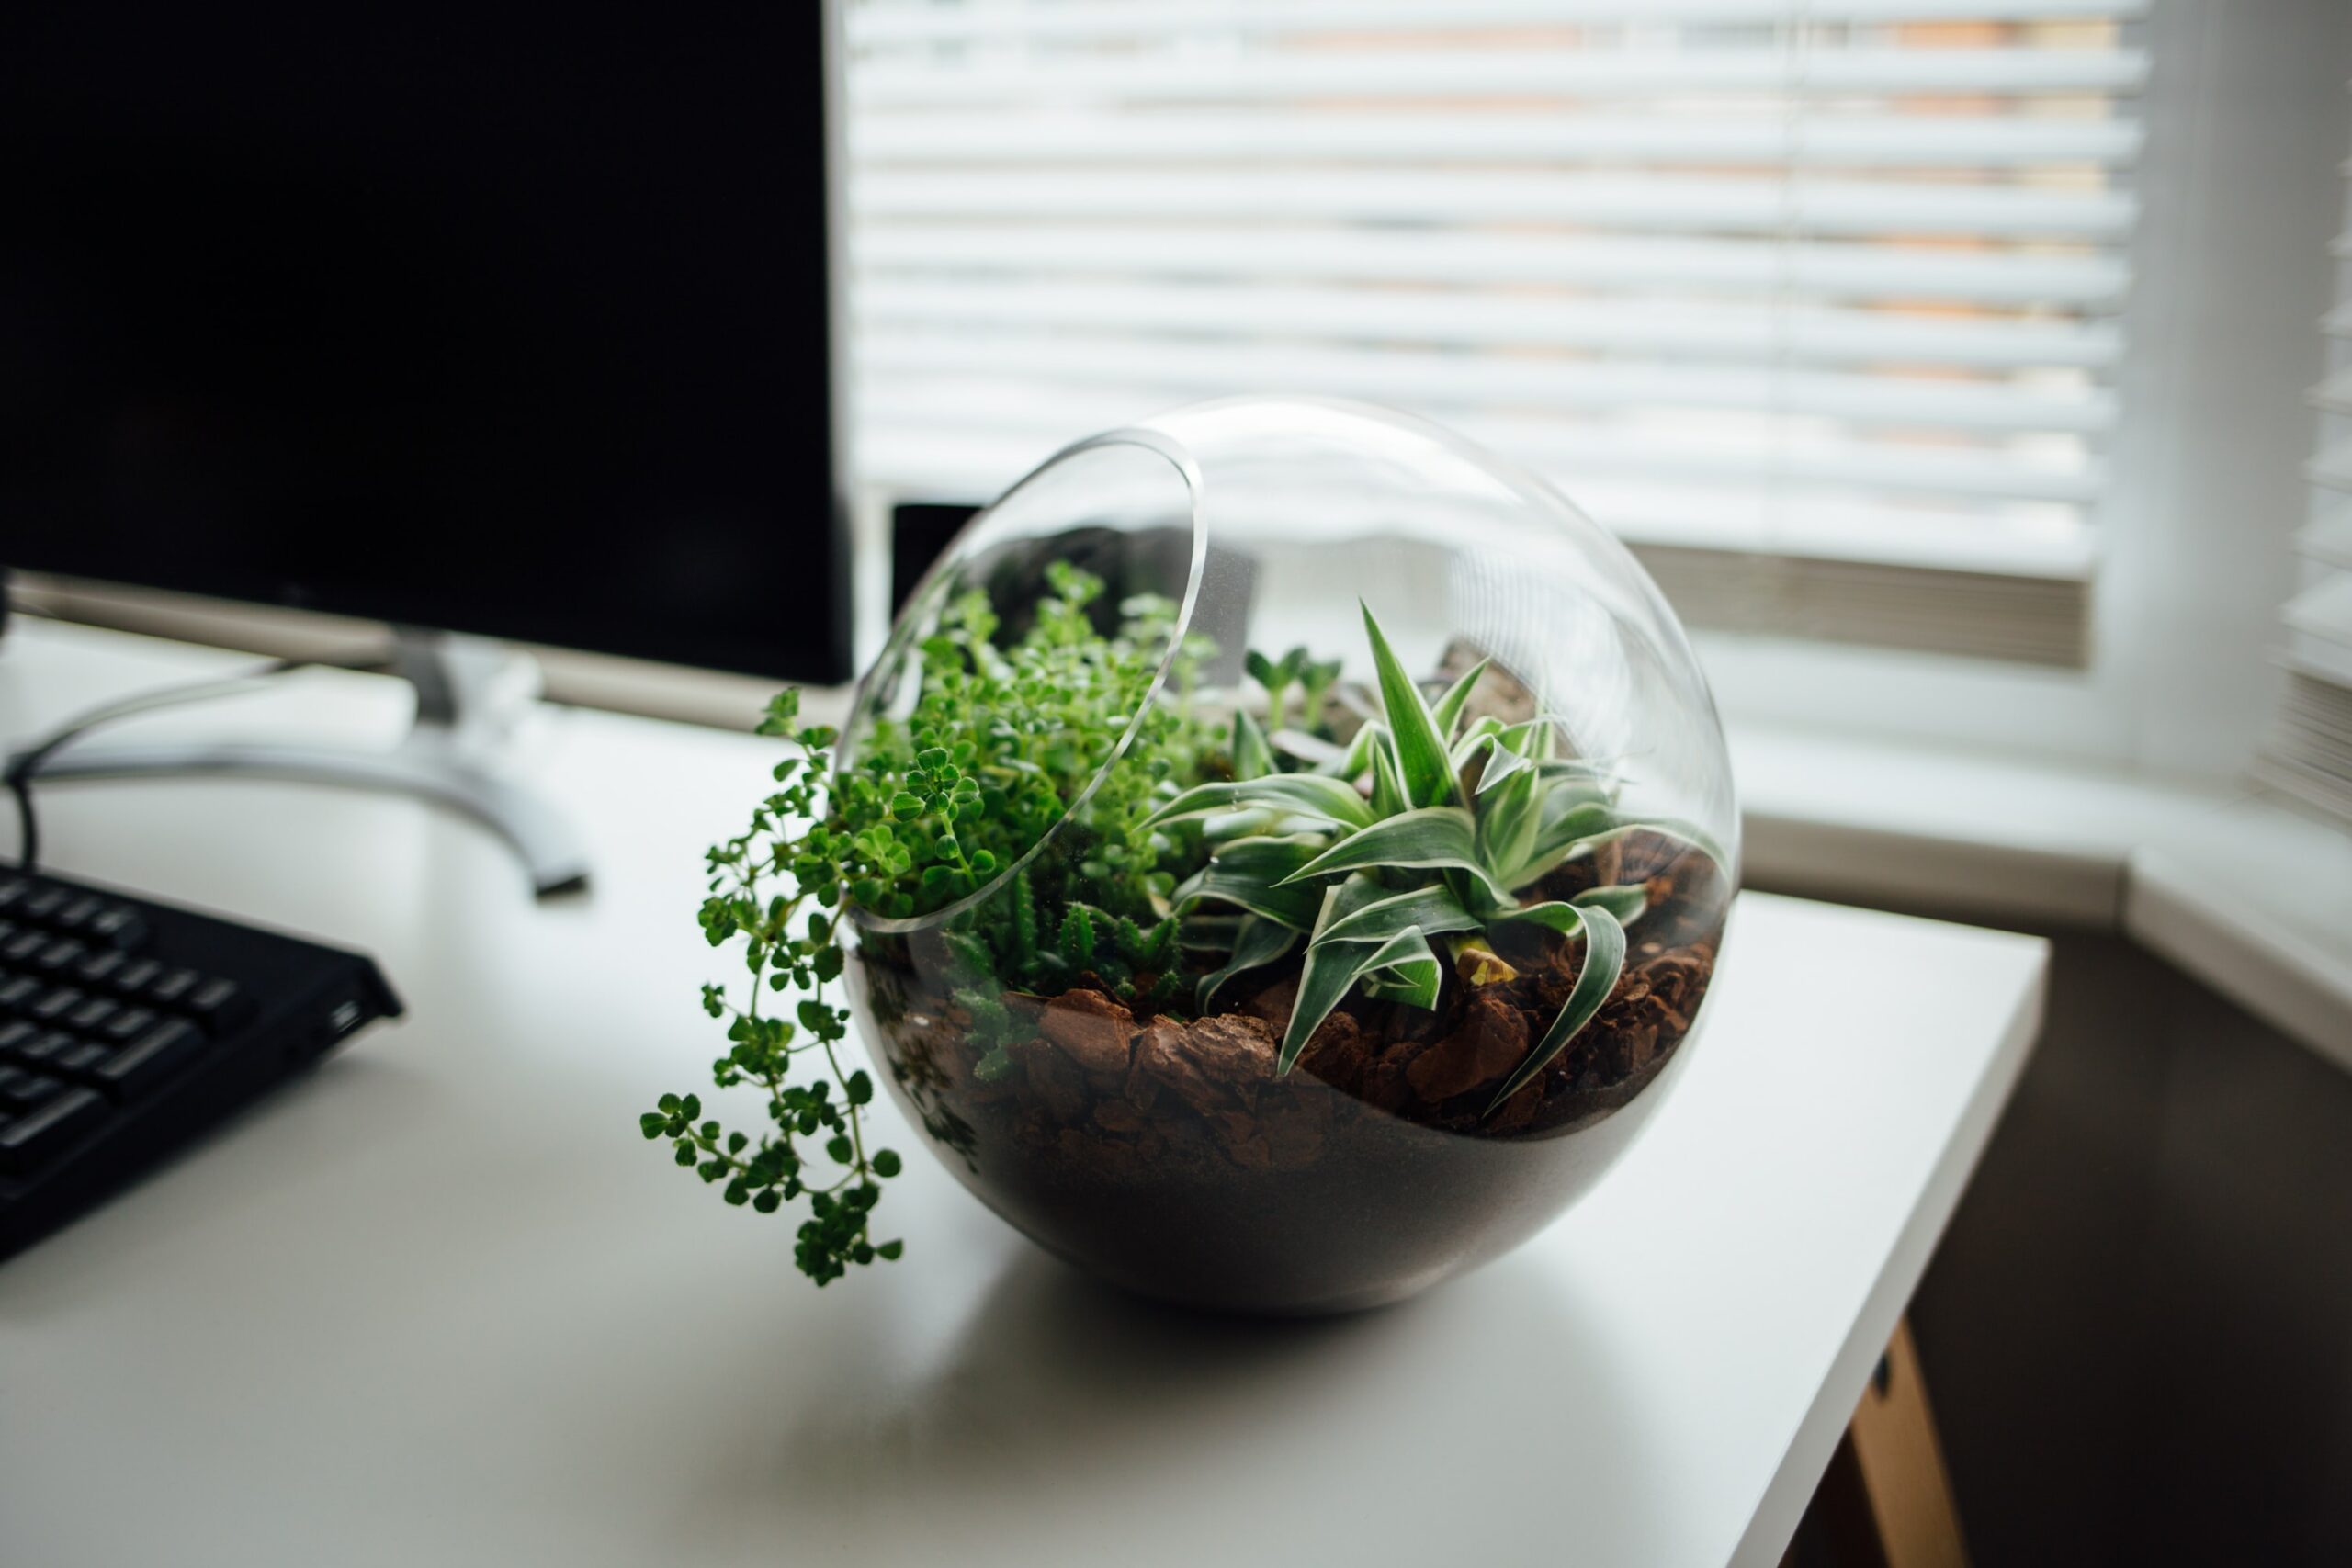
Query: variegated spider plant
[1379, 855]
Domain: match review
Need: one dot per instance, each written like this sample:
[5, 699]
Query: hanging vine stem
[773, 1169]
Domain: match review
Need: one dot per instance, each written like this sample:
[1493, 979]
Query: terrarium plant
[1423, 834]
[1144, 958]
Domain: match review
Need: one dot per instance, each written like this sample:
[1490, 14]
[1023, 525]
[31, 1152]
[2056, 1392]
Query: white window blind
[2309, 753]
[1814, 301]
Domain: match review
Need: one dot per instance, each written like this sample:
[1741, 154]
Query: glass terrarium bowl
[1505, 1021]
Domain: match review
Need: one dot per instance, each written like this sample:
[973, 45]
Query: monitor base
[470, 692]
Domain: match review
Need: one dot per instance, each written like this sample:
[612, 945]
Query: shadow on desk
[1063, 1407]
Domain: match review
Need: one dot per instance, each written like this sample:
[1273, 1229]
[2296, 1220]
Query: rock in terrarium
[1286, 849]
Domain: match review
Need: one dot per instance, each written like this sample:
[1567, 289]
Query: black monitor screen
[442, 313]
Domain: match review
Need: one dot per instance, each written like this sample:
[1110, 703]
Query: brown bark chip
[1054, 1081]
[1491, 1038]
[1117, 1116]
[1341, 1053]
[1092, 1027]
[1210, 1065]
[1274, 1004]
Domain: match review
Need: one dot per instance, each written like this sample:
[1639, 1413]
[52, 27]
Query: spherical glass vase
[1330, 974]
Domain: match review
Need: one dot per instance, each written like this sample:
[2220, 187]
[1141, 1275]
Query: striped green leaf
[1356, 761]
[1473, 742]
[1253, 759]
[1626, 905]
[1448, 711]
[1404, 969]
[1387, 784]
[1431, 838]
[1433, 911]
[1563, 843]
[1564, 919]
[1300, 795]
[1254, 873]
[1604, 961]
[1421, 759]
[1510, 818]
[1576, 768]
[1334, 967]
[1259, 942]
[1330, 970]
[1569, 826]
[1689, 833]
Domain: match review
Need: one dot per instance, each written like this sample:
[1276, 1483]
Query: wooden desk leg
[1886, 1499]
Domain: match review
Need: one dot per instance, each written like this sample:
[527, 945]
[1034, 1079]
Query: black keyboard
[128, 1026]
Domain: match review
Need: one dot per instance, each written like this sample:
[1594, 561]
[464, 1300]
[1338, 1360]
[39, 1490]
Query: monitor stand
[470, 694]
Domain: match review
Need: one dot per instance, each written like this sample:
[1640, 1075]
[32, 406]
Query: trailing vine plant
[1000, 742]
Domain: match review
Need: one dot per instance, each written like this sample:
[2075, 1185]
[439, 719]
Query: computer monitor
[491, 318]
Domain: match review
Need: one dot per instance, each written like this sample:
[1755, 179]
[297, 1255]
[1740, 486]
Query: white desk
[441, 1304]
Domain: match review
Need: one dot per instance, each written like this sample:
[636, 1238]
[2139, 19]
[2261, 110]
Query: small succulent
[1426, 831]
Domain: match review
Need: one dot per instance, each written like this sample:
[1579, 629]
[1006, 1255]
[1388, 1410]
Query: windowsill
[2250, 897]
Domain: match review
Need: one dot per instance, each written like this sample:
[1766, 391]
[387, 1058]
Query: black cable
[21, 769]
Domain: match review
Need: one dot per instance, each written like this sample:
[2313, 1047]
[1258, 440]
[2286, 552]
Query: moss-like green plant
[1374, 879]
[1000, 742]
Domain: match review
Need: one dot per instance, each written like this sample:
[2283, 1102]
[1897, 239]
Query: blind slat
[1534, 71]
[1651, 203]
[1833, 269]
[882, 25]
[2323, 611]
[1424, 379]
[1013, 422]
[1481, 317]
[1759, 139]
[2329, 539]
[2332, 468]
[2055, 548]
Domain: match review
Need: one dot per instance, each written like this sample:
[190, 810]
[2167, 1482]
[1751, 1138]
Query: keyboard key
[12, 890]
[22, 1090]
[100, 967]
[127, 1025]
[20, 948]
[26, 1140]
[58, 956]
[81, 1058]
[54, 1004]
[92, 1014]
[133, 977]
[218, 1004]
[118, 926]
[46, 1048]
[14, 1033]
[18, 993]
[137, 1066]
[172, 987]
[41, 905]
[79, 912]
